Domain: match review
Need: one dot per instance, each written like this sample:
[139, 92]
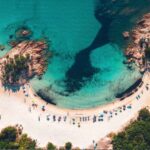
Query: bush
[10, 139]
[144, 115]
[50, 146]
[68, 146]
[26, 143]
[136, 136]
[9, 145]
[15, 69]
[8, 134]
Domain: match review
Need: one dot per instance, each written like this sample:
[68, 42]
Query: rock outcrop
[37, 53]
[23, 32]
[140, 40]
[126, 34]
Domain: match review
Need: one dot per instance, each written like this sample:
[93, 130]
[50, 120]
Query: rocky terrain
[140, 40]
[37, 53]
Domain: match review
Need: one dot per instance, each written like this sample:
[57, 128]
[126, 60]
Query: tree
[68, 146]
[8, 138]
[50, 146]
[9, 145]
[26, 143]
[136, 136]
[8, 134]
[144, 115]
[16, 69]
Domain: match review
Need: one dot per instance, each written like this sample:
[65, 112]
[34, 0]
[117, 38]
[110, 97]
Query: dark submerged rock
[23, 32]
[2, 47]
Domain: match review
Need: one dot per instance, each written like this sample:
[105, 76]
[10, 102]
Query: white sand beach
[59, 125]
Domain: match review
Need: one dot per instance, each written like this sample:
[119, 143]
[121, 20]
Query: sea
[87, 66]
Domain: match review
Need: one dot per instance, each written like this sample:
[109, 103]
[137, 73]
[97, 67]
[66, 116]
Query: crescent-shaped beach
[71, 125]
[21, 105]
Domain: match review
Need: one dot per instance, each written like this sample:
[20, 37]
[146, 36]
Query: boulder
[2, 47]
[23, 32]
[126, 34]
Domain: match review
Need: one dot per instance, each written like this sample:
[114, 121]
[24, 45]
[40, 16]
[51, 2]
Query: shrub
[50, 146]
[68, 146]
[144, 115]
[136, 136]
[8, 134]
[26, 143]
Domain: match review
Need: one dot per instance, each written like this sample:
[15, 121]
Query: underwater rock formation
[115, 17]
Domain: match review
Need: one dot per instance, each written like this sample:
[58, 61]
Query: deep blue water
[87, 67]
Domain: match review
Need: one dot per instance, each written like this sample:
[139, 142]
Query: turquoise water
[113, 78]
[71, 26]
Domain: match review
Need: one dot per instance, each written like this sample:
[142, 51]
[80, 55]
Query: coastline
[140, 36]
[117, 100]
[71, 130]
[41, 120]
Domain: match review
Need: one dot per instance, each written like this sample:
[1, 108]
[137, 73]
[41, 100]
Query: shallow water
[114, 77]
[86, 69]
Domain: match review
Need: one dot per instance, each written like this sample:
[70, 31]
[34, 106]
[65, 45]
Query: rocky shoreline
[37, 54]
[140, 40]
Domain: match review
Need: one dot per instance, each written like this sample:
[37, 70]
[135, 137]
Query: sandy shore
[58, 125]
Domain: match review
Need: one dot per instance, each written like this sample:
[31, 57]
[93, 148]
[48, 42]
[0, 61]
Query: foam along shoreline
[116, 101]
[130, 90]
[27, 109]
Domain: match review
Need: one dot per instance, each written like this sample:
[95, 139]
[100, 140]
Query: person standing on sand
[39, 118]
[29, 109]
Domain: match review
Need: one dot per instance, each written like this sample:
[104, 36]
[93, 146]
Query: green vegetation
[11, 139]
[147, 53]
[68, 146]
[50, 146]
[8, 134]
[26, 143]
[136, 136]
[8, 138]
[15, 69]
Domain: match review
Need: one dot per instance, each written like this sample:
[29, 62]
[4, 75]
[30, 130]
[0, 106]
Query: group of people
[139, 96]
[100, 117]
[76, 119]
